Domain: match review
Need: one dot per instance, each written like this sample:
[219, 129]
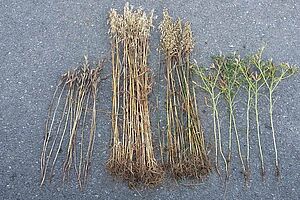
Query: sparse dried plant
[77, 87]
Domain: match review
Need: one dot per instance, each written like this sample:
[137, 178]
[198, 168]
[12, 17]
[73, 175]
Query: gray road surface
[40, 40]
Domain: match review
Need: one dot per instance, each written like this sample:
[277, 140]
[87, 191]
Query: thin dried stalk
[51, 116]
[132, 157]
[80, 84]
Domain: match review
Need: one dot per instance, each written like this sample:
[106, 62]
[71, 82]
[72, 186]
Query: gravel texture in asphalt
[40, 40]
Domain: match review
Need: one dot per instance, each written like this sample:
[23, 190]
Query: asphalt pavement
[40, 40]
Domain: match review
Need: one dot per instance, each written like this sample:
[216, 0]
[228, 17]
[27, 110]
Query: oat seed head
[131, 23]
[178, 34]
[187, 38]
[167, 33]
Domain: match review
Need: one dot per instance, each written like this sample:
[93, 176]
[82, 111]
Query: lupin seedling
[271, 75]
[229, 84]
[209, 79]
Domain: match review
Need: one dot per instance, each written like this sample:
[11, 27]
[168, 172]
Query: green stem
[229, 137]
[238, 142]
[220, 141]
[247, 128]
[215, 134]
[273, 133]
[258, 134]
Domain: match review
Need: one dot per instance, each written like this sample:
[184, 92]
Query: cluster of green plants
[228, 76]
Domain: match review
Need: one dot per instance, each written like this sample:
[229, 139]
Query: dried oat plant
[186, 151]
[71, 125]
[132, 156]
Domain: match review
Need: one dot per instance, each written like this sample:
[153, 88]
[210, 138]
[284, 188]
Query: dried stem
[80, 84]
[132, 156]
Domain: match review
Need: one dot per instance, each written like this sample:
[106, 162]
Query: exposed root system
[71, 125]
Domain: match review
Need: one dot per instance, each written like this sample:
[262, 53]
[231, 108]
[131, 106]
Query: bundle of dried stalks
[132, 157]
[186, 151]
[71, 125]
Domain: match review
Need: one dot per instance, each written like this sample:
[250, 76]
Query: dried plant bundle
[71, 125]
[132, 156]
[186, 150]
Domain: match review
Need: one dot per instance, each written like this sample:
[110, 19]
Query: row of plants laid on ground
[183, 150]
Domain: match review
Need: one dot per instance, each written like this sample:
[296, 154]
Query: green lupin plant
[272, 75]
[209, 83]
[229, 84]
[250, 88]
